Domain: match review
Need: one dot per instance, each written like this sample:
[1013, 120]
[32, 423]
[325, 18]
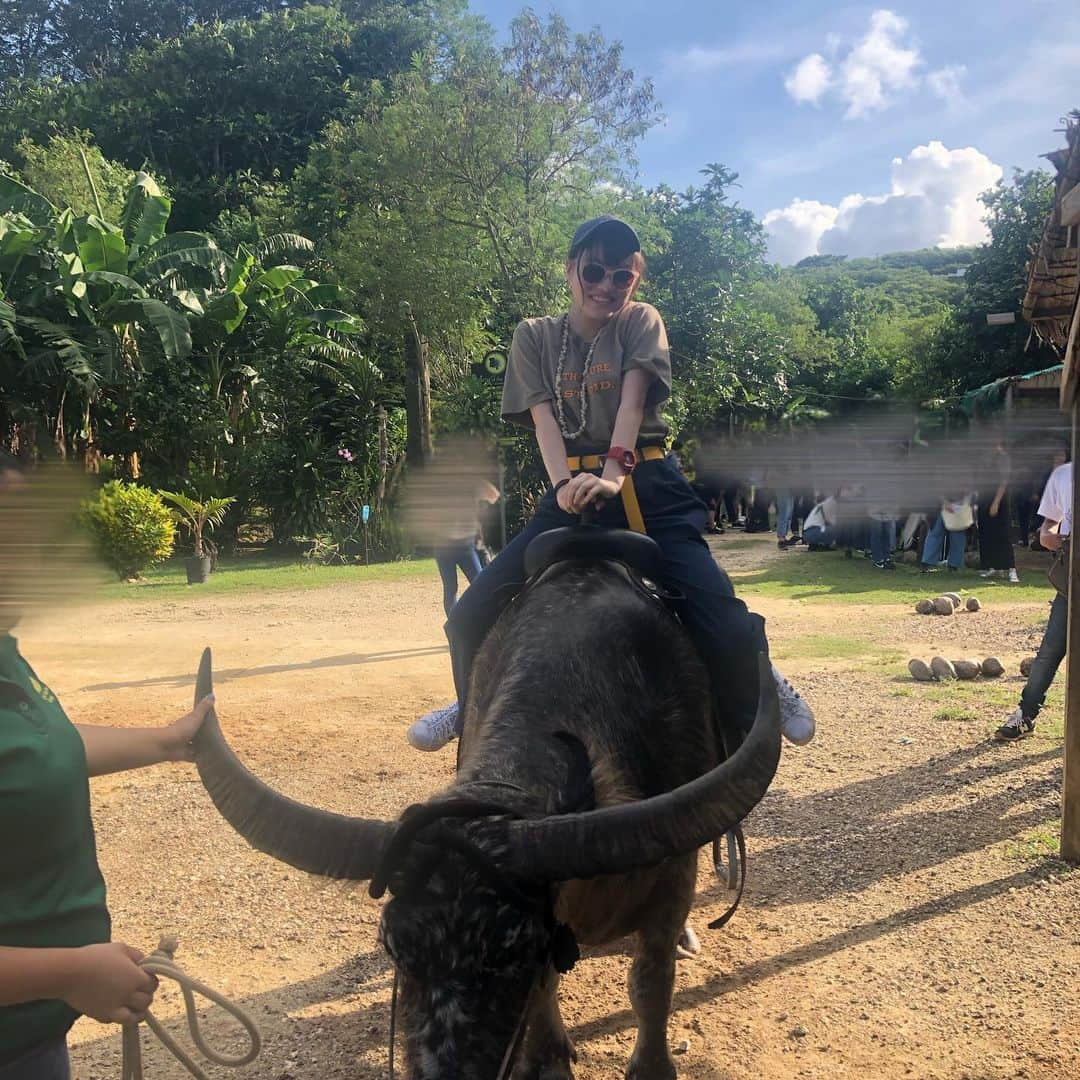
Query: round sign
[495, 363]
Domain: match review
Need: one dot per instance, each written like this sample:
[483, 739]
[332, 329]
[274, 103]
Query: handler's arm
[34, 974]
[110, 749]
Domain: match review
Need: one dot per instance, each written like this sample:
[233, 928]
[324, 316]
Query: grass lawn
[257, 572]
[830, 577]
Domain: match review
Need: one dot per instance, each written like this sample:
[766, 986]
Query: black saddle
[637, 551]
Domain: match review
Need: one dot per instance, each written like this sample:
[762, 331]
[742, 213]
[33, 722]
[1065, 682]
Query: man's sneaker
[987, 573]
[1014, 577]
[434, 730]
[796, 717]
[1017, 727]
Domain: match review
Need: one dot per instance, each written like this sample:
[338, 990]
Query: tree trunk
[417, 398]
[384, 459]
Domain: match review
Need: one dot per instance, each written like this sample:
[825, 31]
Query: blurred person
[56, 958]
[948, 533]
[781, 479]
[994, 518]
[820, 528]
[1058, 458]
[460, 547]
[1056, 509]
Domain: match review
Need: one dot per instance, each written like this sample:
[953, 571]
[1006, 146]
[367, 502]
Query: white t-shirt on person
[1057, 499]
[822, 516]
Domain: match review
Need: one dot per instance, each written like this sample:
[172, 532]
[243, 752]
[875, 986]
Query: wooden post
[417, 397]
[1070, 794]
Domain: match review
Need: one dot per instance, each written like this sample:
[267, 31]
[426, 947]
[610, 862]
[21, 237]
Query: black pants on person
[995, 547]
[728, 636]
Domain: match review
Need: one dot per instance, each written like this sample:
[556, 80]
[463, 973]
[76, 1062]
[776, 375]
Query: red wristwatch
[626, 458]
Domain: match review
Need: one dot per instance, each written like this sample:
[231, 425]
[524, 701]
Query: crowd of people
[878, 491]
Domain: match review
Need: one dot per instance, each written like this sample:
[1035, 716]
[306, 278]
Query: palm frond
[281, 244]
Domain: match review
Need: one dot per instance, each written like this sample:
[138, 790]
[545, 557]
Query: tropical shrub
[131, 525]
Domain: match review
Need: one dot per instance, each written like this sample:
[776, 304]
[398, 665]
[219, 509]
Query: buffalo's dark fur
[586, 689]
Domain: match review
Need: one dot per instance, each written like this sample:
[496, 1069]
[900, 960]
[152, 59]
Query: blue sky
[855, 128]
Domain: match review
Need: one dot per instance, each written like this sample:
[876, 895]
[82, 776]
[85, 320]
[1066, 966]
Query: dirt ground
[898, 920]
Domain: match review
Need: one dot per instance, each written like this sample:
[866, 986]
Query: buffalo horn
[310, 839]
[621, 838]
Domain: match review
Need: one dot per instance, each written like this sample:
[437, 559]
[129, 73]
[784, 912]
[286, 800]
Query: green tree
[28, 38]
[966, 351]
[451, 197]
[71, 171]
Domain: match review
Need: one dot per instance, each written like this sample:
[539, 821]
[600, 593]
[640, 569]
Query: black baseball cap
[607, 225]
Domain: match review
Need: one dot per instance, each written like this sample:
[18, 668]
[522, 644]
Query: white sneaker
[796, 716]
[1014, 577]
[435, 729]
[987, 573]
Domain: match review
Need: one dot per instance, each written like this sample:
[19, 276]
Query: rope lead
[160, 962]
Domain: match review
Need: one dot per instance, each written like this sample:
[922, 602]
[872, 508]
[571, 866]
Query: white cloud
[945, 82]
[794, 232]
[879, 64]
[699, 59]
[882, 64]
[810, 79]
[933, 202]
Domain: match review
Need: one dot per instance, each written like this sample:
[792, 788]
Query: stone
[973, 603]
[1025, 665]
[943, 606]
[967, 669]
[942, 669]
[992, 667]
[920, 671]
[925, 607]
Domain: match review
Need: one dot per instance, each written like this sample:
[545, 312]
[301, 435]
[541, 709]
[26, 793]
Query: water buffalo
[589, 774]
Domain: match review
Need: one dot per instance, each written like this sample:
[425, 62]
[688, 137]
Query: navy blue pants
[728, 636]
[450, 556]
[1051, 653]
[48, 1062]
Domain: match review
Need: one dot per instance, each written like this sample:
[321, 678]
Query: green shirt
[52, 894]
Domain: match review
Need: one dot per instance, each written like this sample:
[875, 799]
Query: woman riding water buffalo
[591, 383]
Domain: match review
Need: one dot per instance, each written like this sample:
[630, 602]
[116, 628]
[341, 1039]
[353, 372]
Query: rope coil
[160, 962]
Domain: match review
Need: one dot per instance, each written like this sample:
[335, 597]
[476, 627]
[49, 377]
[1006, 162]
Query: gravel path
[901, 919]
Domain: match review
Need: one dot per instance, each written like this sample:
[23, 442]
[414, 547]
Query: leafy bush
[132, 526]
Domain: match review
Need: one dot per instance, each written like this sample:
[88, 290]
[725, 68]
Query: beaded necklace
[583, 400]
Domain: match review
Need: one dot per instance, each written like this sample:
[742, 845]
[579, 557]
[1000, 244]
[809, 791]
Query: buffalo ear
[576, 794]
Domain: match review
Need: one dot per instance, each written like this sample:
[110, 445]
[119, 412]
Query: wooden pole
[1070, 795]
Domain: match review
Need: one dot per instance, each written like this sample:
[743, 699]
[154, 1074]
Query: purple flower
[346, 454]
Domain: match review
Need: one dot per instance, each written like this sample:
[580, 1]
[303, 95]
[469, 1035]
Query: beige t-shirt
[635, 338]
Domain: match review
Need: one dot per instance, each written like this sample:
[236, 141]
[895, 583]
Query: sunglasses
[593, 273]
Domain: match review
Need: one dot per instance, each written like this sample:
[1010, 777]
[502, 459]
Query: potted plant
[198, 517]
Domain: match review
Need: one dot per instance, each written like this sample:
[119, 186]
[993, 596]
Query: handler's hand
[586, 488]
[107, 983]
[176, 738]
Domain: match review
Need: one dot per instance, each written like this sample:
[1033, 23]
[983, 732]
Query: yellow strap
[631, 506]
[596, 461]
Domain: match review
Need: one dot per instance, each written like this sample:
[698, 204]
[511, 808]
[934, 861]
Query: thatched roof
[1054, 271]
